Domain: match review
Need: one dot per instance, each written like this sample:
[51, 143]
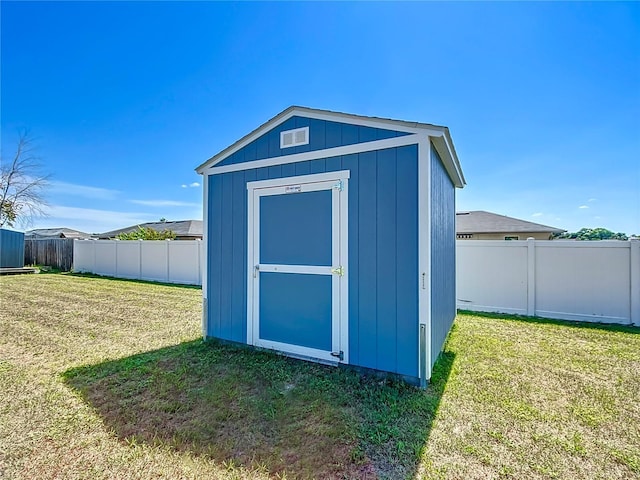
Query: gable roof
[56, 233]
[182, 228]
[479, 221]
[440, 135]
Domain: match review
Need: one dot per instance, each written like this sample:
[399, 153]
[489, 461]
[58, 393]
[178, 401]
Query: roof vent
[293, 138]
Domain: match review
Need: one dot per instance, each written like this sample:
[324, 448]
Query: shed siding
[383, 250]
[443, 255]
[322, 134]
[11, 249]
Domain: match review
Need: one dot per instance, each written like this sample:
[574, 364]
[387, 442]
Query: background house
[331, 237]
[481, 225]
[62, 232]
[184, 229]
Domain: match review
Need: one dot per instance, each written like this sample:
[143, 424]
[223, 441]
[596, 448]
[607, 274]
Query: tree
[147, 233]
[22, 185]
[593, 234]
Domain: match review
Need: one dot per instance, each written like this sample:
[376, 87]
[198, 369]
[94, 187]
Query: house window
[293, 138]
[515, 237]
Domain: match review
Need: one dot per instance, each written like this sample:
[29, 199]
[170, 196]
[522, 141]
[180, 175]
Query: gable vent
[293, 138]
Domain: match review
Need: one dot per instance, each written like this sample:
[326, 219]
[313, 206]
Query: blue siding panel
[289, 170]
[318, 166]
[214, 270]
[334, 164]
[443, 255]
[262, 173]
[386, 260]
[322, 134]
[226, 262]
[333, 135]
[366, 134]
[250, 152]
[238, 269]
[367, 269]
[407, 276]
[275, 171]
[317, 137]
[350, 134]
[383, 252]
[262, 149]
[303, 168]
[274, 143]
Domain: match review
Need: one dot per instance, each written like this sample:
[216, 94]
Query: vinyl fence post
[634, 256]
[199, 250]
[168, 271]
[140, 248]
[531, 277]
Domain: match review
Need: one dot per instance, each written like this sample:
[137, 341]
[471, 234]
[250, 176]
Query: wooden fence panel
[52, 252]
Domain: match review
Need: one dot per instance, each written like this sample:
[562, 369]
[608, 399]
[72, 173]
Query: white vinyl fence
[596, 281]
[170, 261]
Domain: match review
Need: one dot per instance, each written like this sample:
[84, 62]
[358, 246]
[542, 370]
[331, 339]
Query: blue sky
[126, 99]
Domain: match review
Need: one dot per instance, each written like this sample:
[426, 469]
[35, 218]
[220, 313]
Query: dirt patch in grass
[261, 411]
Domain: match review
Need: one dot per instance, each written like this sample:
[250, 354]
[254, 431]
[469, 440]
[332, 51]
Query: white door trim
[337, 182]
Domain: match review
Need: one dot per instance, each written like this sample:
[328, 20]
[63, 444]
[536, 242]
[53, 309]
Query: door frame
[338, 182]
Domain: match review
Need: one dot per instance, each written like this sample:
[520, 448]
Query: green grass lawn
[108, 379]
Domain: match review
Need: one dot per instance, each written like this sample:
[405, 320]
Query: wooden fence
[52, 252]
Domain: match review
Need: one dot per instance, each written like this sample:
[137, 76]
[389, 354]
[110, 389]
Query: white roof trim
[445, 147]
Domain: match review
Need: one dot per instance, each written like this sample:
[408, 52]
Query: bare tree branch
[22, 185]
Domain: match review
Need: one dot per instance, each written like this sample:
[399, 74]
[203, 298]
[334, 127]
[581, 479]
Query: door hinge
[339, 185]
[338, 270]
[339, 355]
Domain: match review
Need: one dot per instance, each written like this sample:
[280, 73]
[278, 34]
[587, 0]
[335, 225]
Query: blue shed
[11, 249]
[331, 237]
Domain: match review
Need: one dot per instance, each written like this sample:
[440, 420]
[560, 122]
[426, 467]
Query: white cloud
[164, 203]
[64, 188]
[183, 186]
[89, 219]
[537, 214]
[583, 206]
[191, 185]
[592, 200]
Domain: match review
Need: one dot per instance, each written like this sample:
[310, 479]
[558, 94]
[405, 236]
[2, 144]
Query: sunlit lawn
[103, 378]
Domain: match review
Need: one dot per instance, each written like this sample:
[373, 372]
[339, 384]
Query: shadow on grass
[133, 280]
[264, 411]
[612, 327]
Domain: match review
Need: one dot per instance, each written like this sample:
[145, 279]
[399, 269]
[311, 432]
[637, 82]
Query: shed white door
[297, 255]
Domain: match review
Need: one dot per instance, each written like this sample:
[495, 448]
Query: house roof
[56, 233]
[441, 136]
[182, 228]
[479, 221]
